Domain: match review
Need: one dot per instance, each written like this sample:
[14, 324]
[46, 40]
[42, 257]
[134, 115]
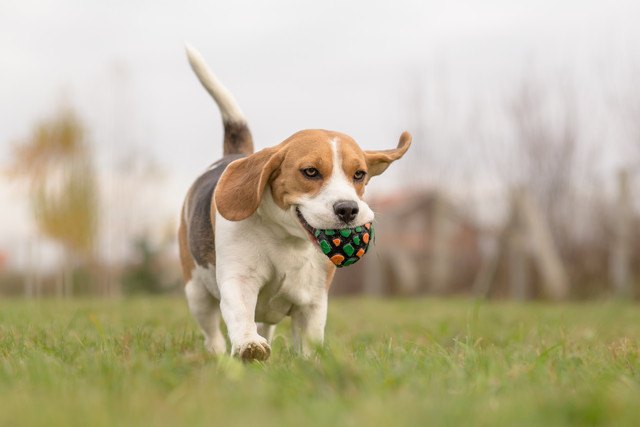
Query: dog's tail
[237, 136]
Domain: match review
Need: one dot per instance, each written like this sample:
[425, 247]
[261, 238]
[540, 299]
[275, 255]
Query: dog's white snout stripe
[320, 210]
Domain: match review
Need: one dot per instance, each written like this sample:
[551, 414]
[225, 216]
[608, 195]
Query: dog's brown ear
[379, 161]
[239, 191]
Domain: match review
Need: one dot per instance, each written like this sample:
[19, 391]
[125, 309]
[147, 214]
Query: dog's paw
[256, 349]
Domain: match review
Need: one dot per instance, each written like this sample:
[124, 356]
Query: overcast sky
[292, 64]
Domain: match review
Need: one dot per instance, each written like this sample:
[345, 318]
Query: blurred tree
[148, 273]
[56, 162]
[546, 135]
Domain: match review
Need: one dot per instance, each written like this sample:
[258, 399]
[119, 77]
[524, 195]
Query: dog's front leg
[307, 325]
[238, 299]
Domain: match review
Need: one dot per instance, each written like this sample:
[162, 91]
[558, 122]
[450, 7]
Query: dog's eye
[359, 175]
[311, 173]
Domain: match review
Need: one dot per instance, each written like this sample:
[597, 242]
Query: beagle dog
[247, 248]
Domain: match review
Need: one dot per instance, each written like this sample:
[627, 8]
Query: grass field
[403, 362]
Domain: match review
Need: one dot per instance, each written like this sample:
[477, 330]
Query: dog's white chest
[288, 271]
[299, 279]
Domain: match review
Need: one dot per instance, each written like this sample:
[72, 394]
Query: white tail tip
[229, 108]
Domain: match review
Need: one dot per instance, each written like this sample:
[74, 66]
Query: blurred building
[423, 244]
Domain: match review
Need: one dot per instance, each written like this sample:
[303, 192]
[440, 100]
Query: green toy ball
[345, 246]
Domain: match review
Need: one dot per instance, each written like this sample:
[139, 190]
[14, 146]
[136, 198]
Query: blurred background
[523, 180]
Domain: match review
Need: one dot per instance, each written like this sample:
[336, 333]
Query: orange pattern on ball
[337, 259]
[365, 238]
[336, 242]
[360, 253]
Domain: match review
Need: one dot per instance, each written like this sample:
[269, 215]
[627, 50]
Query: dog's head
[316, 177]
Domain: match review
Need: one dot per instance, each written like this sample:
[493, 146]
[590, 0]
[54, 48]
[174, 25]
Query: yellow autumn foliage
[56, 163]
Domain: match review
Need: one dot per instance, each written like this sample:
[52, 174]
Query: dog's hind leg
[266, 331]
[206, 310]
[307, 325]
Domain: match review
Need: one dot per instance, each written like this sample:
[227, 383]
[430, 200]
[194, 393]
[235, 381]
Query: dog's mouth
[308, 228]
[344, 246]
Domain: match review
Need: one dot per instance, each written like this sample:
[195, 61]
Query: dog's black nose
[346, 210]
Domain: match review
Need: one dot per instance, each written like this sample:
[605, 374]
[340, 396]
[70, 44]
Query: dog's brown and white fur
[246, 245]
